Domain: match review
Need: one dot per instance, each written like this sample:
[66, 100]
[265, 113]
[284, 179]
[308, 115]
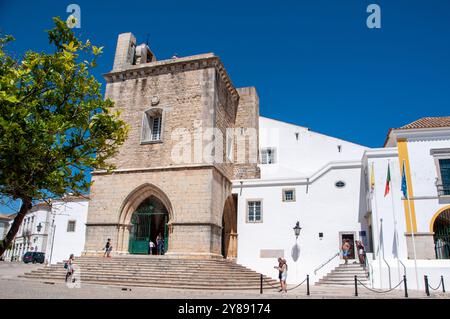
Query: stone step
[155, 269]
[156, 276]
[147, 268]
[161, 283]
[350, 266]
[154, 259]
[335, 284]
[342, 279]
[343, 275]
[162, 264]
[240, 288]
[89, 277]
[159, 272]
[347, 273]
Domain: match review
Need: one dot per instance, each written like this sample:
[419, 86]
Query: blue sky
[314, 62]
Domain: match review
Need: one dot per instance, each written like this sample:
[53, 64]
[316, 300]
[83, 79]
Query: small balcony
[443, 189]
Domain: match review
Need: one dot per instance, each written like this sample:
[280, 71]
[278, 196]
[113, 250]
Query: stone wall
[247, 135]
[424, 243]
[190, 192]
[194, 94]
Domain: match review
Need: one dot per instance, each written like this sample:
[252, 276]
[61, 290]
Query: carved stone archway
[131, 204]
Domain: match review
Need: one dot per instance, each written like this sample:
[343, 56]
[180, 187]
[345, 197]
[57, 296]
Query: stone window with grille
[71, 224]
[442, 161]
[268, 155]
[254, 211]
[289, 195]
[152, 122]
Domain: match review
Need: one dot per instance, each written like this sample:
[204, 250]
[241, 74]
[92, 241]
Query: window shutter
[146, 132]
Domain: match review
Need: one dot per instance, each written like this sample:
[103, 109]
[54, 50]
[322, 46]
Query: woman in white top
[282, 268]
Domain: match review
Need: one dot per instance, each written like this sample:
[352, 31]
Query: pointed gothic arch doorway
[147, 222]
[145, 212]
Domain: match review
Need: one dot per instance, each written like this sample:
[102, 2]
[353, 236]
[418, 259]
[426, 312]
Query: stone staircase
[158, 271]
[344, 275]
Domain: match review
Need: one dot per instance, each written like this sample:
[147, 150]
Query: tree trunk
[26, 206]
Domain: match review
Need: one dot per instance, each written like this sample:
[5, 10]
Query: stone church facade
[151, 191]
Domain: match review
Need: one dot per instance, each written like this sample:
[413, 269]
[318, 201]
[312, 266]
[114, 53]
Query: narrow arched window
[152, 125]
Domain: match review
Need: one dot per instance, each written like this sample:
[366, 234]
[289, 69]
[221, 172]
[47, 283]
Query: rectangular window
[254, 212]
[288, 195]
[444, 166]
[156, 128]
[71, 226]
[268, 155]
[151, 126]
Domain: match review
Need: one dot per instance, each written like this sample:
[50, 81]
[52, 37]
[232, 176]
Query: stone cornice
[162, 168]
[194, 62]
[381, 152]
[416, 134]
[301, 180]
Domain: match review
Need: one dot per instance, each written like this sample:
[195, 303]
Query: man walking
[346, 250]
[108, 248]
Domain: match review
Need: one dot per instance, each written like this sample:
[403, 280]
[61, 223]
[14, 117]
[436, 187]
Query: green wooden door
[143, 230]
[140, 231]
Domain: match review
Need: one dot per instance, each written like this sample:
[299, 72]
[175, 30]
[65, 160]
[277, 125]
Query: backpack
[66, 265]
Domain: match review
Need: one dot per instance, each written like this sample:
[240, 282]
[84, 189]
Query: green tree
[55, 125]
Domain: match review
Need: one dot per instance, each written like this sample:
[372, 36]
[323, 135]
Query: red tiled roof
[425, 122]
[428, 122]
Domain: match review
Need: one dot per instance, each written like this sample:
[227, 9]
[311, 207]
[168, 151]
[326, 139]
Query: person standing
[151, 245]
[106, 248]
[361, 253]
[346, 250]
[283, 270]
[159, 244]
[69, 268]
[280, 265]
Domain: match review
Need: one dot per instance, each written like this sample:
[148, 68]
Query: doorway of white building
[351, 237]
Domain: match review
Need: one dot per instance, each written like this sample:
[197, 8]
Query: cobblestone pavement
[13, 287]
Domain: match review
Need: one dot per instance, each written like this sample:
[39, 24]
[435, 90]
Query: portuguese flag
[388, 182]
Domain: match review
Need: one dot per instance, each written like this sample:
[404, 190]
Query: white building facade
[4, 225]
[412, 233]
[336, 190]
[57, 229]
[307, 177]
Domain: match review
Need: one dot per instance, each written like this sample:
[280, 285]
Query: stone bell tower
[166, 102]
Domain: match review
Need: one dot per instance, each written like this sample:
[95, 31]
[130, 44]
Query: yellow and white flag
[372, 179]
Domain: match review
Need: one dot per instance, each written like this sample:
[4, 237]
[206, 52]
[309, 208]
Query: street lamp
[297, 229]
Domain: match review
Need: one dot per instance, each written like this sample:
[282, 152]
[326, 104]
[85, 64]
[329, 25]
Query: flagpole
[412, 230]
[378, 227]
[395, 220]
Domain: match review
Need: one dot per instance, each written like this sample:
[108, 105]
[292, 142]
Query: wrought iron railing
[326, 262]
[369, 269]
[442, 249]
